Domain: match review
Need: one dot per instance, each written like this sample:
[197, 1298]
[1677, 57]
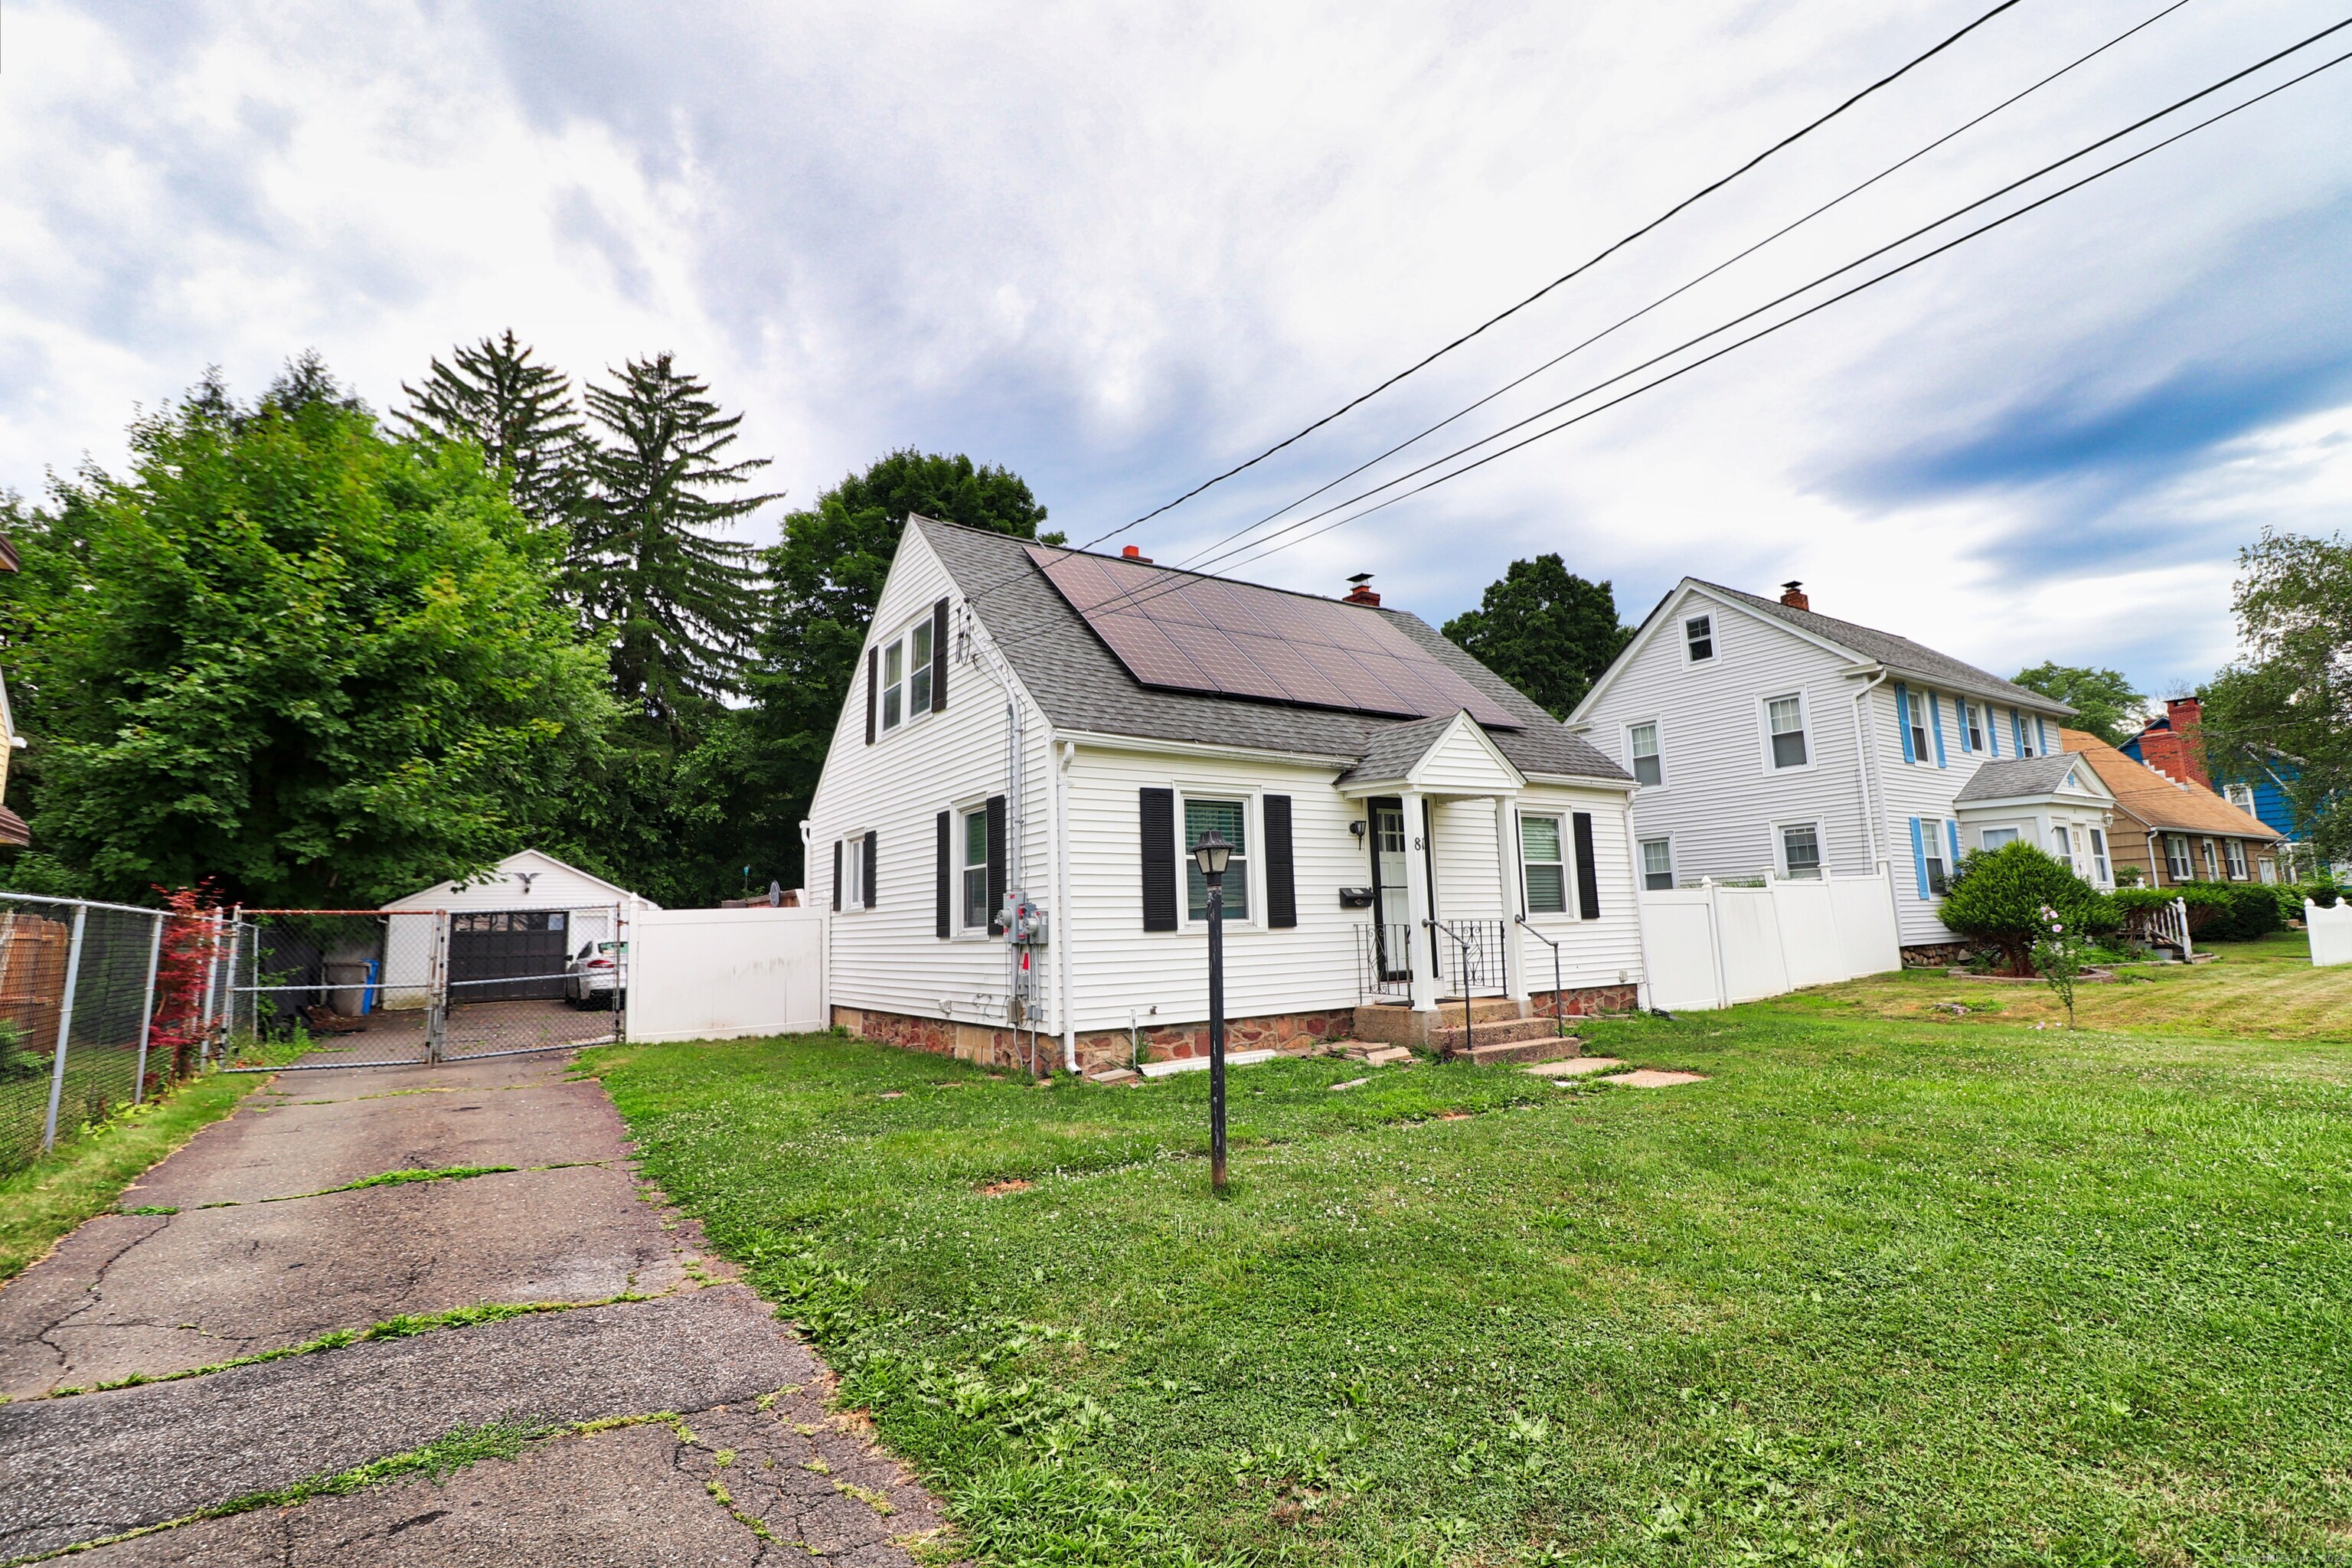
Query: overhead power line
[1177, 582]
[1595, 259]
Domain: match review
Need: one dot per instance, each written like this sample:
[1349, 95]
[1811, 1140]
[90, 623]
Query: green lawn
[1883, 1290]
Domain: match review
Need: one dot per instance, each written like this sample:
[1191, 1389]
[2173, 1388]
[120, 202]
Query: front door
[1390, 893]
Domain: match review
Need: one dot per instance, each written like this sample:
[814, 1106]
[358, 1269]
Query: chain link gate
[392, 988]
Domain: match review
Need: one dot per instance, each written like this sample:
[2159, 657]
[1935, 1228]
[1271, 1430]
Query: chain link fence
[100, 1006]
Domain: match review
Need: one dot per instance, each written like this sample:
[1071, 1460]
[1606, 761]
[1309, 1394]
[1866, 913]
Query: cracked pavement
[765, 1476]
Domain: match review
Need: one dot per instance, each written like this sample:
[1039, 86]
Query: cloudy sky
[1119, 252]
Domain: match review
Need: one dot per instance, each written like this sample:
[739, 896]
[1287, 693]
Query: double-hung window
[1545, 876]
[907, 676]
[2026, 732]
[1995, 837]
[1800, 850]
[2061, 843]
[1698, 639]
[2212, 866]
[2242, 796]
[2235, 848]
[971, 870]
[1658, 865]
[853, 873]
[894, 685]
[2099, 856]
[1931, 849]
[1923, 728]
[2176, 858]
[1230, 818]
[1784, 719]
[1642, 747]
[1972, 722]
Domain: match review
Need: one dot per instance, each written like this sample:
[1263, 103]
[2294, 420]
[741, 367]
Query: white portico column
[1419, 905]
[1507, 874]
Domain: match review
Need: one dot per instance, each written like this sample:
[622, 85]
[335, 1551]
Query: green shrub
[2323, 893]
[2230, 912]
[1998, 895]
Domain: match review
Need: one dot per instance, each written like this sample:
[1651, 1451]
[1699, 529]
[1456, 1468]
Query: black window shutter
[873, 868]
[1588, 870]
[1158, 815]
[939, 891]
[837, 874]
[1281, 879]
[872, 690]
[995, 865]
[939, 656]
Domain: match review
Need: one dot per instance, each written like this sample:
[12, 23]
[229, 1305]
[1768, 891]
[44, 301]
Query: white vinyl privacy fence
[1712, 945]
[716, 974]
[2331, 932]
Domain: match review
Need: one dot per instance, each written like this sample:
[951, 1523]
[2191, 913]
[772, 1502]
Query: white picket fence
[2331, 932]
[1712, 945]
[716, 974]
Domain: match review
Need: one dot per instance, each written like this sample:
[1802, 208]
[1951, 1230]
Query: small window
[1972, 716]
[2176, 858]
[1642, 745]
[918, 668]
[2099, 855]
[1698, 639]
[2061, 845]
[1931, 845]
[1923, 749]
[1658, 863]
[2025, 734]
[2242, 798]
[853, 873]
[894, 690]
[973, 870]
[2212, 866]
[1231, 818]
[1994, 837]
[1801, 851]
[1545, 876]
[1785, 718]
[2235, 848]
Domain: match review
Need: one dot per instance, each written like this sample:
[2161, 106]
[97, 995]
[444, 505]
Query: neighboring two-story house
[1044, 734]
[2173, 743]
[1768, 740]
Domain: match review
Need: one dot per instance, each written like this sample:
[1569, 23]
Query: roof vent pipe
[1793, 595]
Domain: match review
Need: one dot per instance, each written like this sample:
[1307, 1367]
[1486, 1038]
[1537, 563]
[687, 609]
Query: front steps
[1500, 1030]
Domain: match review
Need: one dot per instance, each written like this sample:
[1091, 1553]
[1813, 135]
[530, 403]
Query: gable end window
[1642, 750]
[1784, 720]
[1544, 872]
[1698, 639]
[907, 673]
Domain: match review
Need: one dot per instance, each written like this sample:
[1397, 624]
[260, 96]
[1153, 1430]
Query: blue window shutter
[1919, 859]
[1936, 722]
[1960, 715]
[1993, 732]
[1903, 719]
[2042, 734]
[2017, 731]
[1952, 831]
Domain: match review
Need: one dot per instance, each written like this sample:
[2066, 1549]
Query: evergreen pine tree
[520, 414]
[669, 598]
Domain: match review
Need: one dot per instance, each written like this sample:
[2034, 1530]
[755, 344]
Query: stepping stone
[1388, 1056]
[1651, 1078]
[1115, 1075]
[1352, 1083]
[1574, 1066]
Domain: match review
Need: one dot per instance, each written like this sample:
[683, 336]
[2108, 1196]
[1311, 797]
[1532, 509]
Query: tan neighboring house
[12, 826]
[2173, 832]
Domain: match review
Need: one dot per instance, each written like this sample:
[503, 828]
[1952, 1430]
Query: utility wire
[1781, 146]
[1266, 547]
[1668, 297]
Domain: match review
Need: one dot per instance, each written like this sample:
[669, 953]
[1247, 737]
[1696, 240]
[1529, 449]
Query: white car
[595, 973]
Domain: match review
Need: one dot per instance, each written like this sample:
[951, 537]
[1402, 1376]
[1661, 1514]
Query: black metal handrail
[1471, 949]
[1560, 1024]
[1383, 959]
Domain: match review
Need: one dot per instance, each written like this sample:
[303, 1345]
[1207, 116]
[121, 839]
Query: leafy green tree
[2004, 898]
[289, 653]
[2104, 700]
[825, 578]
[2287, 706]
[520, 415]
[1545, 631]
[667, 595]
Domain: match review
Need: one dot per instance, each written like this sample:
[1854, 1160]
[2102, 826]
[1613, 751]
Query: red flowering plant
[194, 937]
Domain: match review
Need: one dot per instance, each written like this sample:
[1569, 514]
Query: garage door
[506, 955]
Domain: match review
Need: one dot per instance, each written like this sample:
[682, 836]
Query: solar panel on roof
[1188, 633]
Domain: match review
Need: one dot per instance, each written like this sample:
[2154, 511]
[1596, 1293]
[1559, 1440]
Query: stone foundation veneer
[995, 1044]
[1937, 954]
[1585, 1001]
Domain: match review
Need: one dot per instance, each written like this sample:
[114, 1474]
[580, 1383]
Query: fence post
[147, 1010]
[65, 1027]
[212, 983]
[2180, 907]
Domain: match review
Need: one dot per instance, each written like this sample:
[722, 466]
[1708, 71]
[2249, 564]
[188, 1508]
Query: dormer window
[1698, 639]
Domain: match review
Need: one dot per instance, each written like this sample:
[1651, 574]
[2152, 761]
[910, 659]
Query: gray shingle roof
[2016, 778]
[1393, 751]
[1899, 653]
[1082, 685]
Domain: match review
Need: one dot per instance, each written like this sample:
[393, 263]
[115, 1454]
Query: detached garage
[512, 929]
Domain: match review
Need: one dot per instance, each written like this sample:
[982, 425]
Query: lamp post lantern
[1211, 853]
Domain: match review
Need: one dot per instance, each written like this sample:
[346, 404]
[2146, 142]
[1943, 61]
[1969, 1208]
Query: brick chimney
[1793, 595]
[2174, 745]
[1359, 591]
[1134, 553]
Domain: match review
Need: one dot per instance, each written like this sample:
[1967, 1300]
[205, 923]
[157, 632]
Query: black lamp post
[1210, 854]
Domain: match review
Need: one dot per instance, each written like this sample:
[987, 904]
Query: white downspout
[1641, 935]
[1862, 768]
[1064, 958]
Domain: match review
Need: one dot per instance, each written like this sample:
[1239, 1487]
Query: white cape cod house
[1772, 740]
[1046, 733]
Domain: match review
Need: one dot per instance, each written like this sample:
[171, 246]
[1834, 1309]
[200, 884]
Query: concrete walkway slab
[1653, 1077]
[1574, 1066]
